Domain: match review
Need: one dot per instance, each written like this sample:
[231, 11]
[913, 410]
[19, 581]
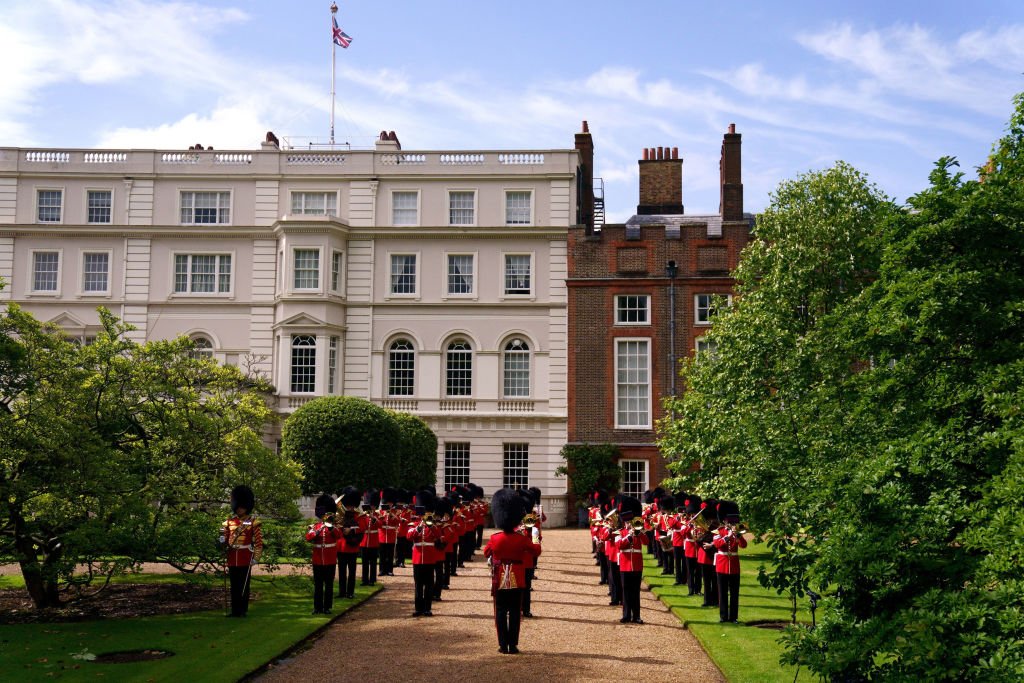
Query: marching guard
[423, 535]
[631, 560]
[242, 537]
[507, 552]
[353, 525]
[324, 536]
[706, 551]
[728, 541]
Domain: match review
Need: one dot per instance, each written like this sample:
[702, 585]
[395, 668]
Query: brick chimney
[585, 180]
[731, 201]
[661, 181]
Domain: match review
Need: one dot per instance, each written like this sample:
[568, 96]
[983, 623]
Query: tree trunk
[42, 585]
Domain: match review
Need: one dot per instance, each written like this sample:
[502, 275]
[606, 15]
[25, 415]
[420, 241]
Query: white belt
[241, 547]
[424, 545]
[390, 528]
[324, 545]
[631, 551]
[722, 552]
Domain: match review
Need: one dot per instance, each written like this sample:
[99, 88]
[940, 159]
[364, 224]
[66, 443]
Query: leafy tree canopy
[590, 467]
[418, 453]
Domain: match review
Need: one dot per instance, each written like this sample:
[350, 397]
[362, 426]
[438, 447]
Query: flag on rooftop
[341, 38]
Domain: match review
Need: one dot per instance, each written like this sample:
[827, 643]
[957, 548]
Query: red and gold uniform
[424, 557]
[324, 537]
[242, 538]
[727, 567]
[387, 537]
[509, 552]
[369, 548]
[630, 546]
[353, 525]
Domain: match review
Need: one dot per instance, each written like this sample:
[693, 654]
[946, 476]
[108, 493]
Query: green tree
[116, 452]
[417, 454]
[342, 441]
[590, 467]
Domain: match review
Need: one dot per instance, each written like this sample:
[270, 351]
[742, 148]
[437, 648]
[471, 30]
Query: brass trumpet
[530, 520]
[637, 525]
[428, 519]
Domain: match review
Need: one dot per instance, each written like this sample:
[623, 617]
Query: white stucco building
[427, 282]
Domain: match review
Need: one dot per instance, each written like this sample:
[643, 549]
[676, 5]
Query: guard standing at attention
[507, 553]
[324, 536]
[242, 537]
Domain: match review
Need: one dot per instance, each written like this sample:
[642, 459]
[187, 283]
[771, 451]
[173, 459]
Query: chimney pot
[646, 155]
[732, 128]
[675, 152]
[661, 153]
[586, 127]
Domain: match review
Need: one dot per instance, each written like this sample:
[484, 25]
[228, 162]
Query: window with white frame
[306, 271]
[315, 203]
[518, 275]
[515, 465]
[202, 348]
[632, 384]
[633, 309]
[403, 273]
[460, 273]
[205, 208]
[634, 477]
[49, 205]
[332, 365]
[98, 206]
[202, 273]
[95, 272]
[45, 271]
[405, 208]
[336, 263]
[401, 368]
[707, 346]
[459, 369]
[516, 374]
[704, 307]
[456, 464]
[517, 207]
[462, 208]
[303, 375]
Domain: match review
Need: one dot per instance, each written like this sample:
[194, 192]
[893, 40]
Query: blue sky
[887, 86]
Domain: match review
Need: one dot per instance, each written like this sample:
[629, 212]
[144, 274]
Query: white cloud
[229, 126]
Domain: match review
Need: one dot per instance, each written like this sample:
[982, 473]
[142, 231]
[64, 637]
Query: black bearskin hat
[242, 497]
[425, 501]
[729, 511]
[535, 494]
[442, 506]
[350, 497]
[389, 496]
[371, 498]
[648, 497]
[692, 504]
[667, 504]
[710, 507]
[325, 504]
[629, 507]
[527, 499]
[508, 509]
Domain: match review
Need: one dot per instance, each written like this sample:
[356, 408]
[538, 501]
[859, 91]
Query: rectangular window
[202, 273]
[315, 203]
[517, 207]
[95, 272]
[456, 465]
[336, 271]
[706, 346]
[632, 384]
[516, 470]
[205, 208]
[405, 208]
[45, 268]
[98, 206]
[518, 278]
[48, 205]
[633, 309]
[634, 477]
[303, 379]
[461, 208]
[460, 273]
[332, 365]
[307, 269]
[401, 368]
[704, 307]
[403, 273]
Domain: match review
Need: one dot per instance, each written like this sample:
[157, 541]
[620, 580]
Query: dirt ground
[574, 636]
[117, 601]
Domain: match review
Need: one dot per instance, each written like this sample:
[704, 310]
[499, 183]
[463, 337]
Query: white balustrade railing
[461, 159]
[521, 159]
[48, 157]
[313, 159]
[299, 401]
[460, 406]
[515, 406]
[398, 159]
[401, 404]
[232, 158]
[104, 157]
[179, 158]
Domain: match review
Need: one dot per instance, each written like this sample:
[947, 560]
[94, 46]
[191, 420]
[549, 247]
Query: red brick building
[640, 297]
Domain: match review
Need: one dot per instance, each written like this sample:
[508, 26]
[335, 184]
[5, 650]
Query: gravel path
[574, 636]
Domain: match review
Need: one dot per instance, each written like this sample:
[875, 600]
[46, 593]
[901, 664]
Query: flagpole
[334, 47]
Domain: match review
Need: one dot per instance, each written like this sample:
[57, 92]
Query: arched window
[459, 369]
[202, 349]
[516, 378]
[401, 368]
[303, 364]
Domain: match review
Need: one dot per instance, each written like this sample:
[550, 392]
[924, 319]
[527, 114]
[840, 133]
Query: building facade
[427, 282]
[642, 296]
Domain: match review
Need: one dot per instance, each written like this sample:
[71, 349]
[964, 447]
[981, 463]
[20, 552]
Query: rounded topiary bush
[418, 452]
[340, 441]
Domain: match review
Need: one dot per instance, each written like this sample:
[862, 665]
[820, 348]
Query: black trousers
[466, 546]
[347, 574]
[614, 583]
[668, 563]
[240, 584]
[403, 551]
[451, 561]
[423, 576]
[679, 556]
[710, 585]
[323, 587]
[507, 617]
[527, 590]
[479, 537]
[602, 560]
[387, 559]
[440, 579]
[693, 576]
[631, 595]
[728, 596]
[370, 565]
[651, 550]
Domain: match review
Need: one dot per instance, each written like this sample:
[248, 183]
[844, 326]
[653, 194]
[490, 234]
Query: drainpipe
[671, 270]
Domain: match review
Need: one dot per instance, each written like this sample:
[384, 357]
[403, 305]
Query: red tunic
[631, 552]
[727, 560]
[509, 554]
[372, 537]
[347, 546]
[423, 537]
[678, 536]
[389, 525]
[325, 543]
[244, 538]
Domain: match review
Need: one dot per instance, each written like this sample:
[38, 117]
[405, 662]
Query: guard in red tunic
[403, 547]
[324, 536]
[352, 524]
[423, 535]
[706, 552]
[675, 525]
[507, 552]
[631, 558]
[369, 547]
[727, 561]
[242, 537]
[481, 516]
[387, 536]
[693, 577]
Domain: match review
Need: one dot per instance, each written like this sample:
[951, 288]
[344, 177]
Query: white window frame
[291, 363]
[619, 307]
[529, 367]
[388, 385]
[710, 347]
[451, 470]
[472, 293]
[216, 294]
[31, 285]
[448, 207]
[81, 281]
[391, 294]
[472, 366]
[319, 268]
[230, 207]
[530, 208]
[414, 223]
[333, 349]
[60, 219]
[338, 286]
[293, 194]
[650, 407]
[697, 307]
[89, 191]
[643, 485]
[206, 352]
[505, 480]
[533, 275]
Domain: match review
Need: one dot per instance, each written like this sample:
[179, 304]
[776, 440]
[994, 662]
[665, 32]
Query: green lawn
[207, 646]
[745, 654]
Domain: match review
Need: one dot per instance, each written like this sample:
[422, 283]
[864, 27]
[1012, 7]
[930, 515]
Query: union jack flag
[341, 38]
